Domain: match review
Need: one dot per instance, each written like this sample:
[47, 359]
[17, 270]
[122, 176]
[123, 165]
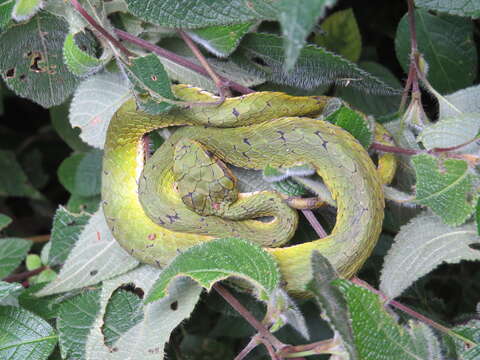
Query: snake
[184, 194]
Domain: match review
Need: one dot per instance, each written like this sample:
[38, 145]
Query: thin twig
[100, 28]
[39, 238]
[24, 275]
[252, 344]
[222, 88]
[310, 216]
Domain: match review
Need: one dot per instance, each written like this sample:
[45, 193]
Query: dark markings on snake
[244, 154]
[282, 135]
[173, 218]
[324, 143]
[235, 112]
[245, 140]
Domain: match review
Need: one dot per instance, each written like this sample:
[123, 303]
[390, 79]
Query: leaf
[25, 336]
[447, 45]
[77, 204]
[12, 252]
[9, 293]
[31, 62]
[4, 221]
[13, 181]
[46, 307]
[451, 131]
[420, 246]
[221, 40]
[6, 8]
[96, 256]
[78, 61]
[315, 66]
[331, 301]
[297, 19]
[354, 123]
[94, 103]
[124, 311]
[146, 339]
[446, 187]
[75, 318]
[217, 260]
[455, 7]
[341, 35]
[152, 84]
[378, 336]
[465, 100]
[80, 174]
[373, 104]
[25, 9]
[66, 230]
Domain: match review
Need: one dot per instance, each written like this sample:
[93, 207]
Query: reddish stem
[24, 275]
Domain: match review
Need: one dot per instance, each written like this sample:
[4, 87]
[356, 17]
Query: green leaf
[124, 311]
[315, 66]
[468, 8]
[33, 262]
[25, 336]
[354, 123]
[146, 339]
[221, 40]
[422, 245]
[12, 252]
[451, 131]
[331, 301]
[297, 19]
[447, 45]
[80, 174]
[75, 319]
[465, 100]
[217, 260]
[9, 293]
[32, 64]
[4, 221]
[152, 83]
[25, 9]
[376, 105]
[342, 35]
[77, 204]
[46, 307]
[94, 103]
[66, 230]
[96, 256]
[13, 181]
[446, 187]
[78, 61]
[378, 336]
[6, 8]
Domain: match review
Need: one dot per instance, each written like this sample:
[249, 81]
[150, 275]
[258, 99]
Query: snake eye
[175, 187]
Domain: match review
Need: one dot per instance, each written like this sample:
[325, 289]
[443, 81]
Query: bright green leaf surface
[12, 252]
[13, 181]
[79, 62]
[80, 174]
[446, 187]
[66, 230]
[75, 318]
[315, 66]
[6, 8]
[221, 40]
[77, 204]
[32, 63]
[24, 336]
[447, 44]
[217, 260]
[342, 35]
[469, 8]
[25, 9]
[354, 123]
[4, 221]
[33, 262]
[152, 83]
[422, 251]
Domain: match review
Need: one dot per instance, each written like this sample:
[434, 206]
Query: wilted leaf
[420, 246]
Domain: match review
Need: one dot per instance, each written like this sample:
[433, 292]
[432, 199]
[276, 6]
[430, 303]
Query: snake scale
[154, 215]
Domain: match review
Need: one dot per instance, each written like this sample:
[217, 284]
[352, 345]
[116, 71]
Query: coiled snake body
[147, 216]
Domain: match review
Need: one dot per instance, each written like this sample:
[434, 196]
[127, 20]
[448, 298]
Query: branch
[24, 275]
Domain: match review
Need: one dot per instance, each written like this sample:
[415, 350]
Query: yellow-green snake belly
[251, 131]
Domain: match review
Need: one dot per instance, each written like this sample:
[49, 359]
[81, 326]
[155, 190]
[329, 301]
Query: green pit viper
[176, 200]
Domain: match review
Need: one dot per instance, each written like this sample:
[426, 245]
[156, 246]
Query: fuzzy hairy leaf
[32, 63]
[94, 103]
[75, 317]
[79, 62]
[447, 45]
[465, 100]
[470, 8]
[315, 66]
[9, 293]
[446, 187]
[354, 123]
[12, 252]
[146, 339]
[331, 301]
[25, 9]
[217, 260]
[422, 251]
[66, 230]
[96, 256]
[378, 336]
[24, 335]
